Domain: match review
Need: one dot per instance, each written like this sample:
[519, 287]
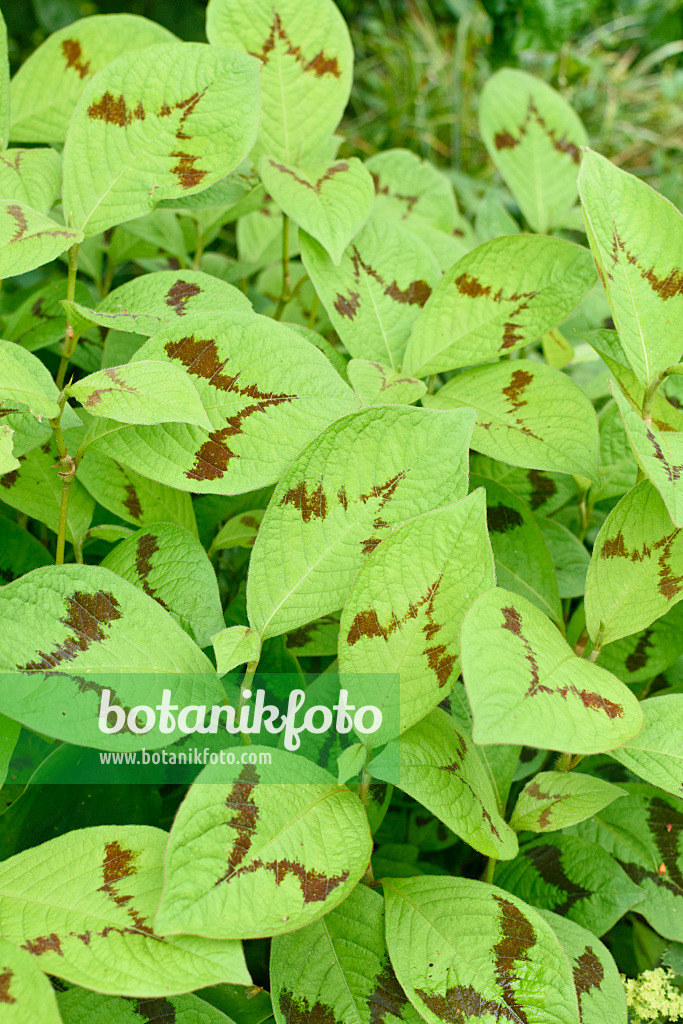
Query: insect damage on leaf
[547, 859]
[506, 140]
[320, 64]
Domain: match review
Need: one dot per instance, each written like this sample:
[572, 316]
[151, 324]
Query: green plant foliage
[325, 399]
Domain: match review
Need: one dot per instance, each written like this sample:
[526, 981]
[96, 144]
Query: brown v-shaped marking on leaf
[506, 140]
[315, 186]
[73, 54]
[588, 974]
[319, 65]
[118, 864]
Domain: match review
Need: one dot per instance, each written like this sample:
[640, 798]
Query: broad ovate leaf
[525, 684]
[26, 995]
[437, 764]
[416, 192]
[78, 1006]
[33, 176]
[307, 67]
[235, 646]
[27, 381]
[171, 566]
[348, 489]
[338, 968]
[147, 391]
[643, 655]
[497, 298]
[330, 202]
[554, 800]
[570, 557]
[462, 948]
[377, 292]
[47, 86]
[404, 611]
[83, 905]
[642, 277]
[534, 138]
[8, 463]
[28, 239]
[261, 849]
[172, 121]
[528, 414]
[72, 631]
[656, 753]
[240, 531]
[266, 392]
[381, 385]
[636, 569]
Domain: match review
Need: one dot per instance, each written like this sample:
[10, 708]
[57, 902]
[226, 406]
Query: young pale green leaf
[381, 385]
[47, 86]
[31, 176]
[437, 764]
[462, 948]
[351, 762]
[171, 122]
[26, 994]
[86, 916]
[171, 566]
[67, 623]
[642, 278]
[306, 73]
[656, 753]
[374, 297]
[600, 990]
[28, 239]
[572, 877]
[416, 192]
[27, 381]
[240, 531]
[636, 569]
[36, 490]
[8, 463]
[338, 970]
[262, 850]
[497, 298]
[534, 138]
[522, 560]
[645, 835]
[659, 453]
[527, 415]
[350, 487]
[77, 1006]
[266, 391]
[570, 557]
[146, 391]
[404, 611]
[331, 203]
[525, 684]
[554, 800]
[235, 646]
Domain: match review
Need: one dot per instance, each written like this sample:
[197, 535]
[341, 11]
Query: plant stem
[246, 685]
[284, 290]
[563, 762]
[70, 339]
[66, 474]
[199, 248]
[364, 797]
[489, 870]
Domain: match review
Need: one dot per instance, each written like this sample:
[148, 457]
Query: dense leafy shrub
[274, 416]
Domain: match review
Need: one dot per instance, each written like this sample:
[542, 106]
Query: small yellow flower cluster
[652, 997]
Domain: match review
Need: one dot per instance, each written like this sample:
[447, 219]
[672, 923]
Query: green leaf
[350, 763]
[47, 86]
[416, 192]
[600, 990]
[31, 176]
[266, 391]
[636, 570]
[458, 947]
[642, 278]
[316, 639]
[20, 552]
[404, 611]
[235, 646]
[554, 800]
[351, 486]
[38, 321]
[498, 298]
[656, 753]
[240, 531]
[330, 202]
[65, 623]
[28, 239]
[146, 391]
[375, 295]
[9, 734]
[4, 86]
[645, 654]
[659, 453]
[572, 877]
[543, 492]
[166, 134]
[132, 497]
[8, 463]
[171, 566]
[25, 993]
[618, 471]
[645, 834]
[87, 916]
[570, 557]
[523, 562]
[307, 68]
[145, 304]
[534, 138]
[80, 1007]
[27, 381]
[36, 490]
[381, 385]
[527, 415]
[280, 844]
[437, 764]
[338, 969]
[525, 684]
